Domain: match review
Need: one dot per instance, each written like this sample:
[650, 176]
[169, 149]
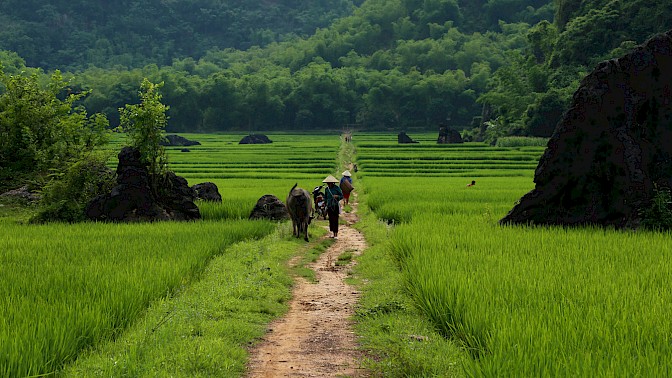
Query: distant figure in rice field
[472, 183]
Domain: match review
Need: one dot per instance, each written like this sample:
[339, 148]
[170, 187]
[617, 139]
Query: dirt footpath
[315, 338]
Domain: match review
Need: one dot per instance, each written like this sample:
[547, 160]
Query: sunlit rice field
[65, 287]
[523, 301]
[244, 173]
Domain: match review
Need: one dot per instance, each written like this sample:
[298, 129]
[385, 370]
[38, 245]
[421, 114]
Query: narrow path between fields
[315, 338]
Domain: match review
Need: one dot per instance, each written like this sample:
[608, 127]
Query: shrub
[40, 131]
[658, 216]
[145, 124]
[66, 196]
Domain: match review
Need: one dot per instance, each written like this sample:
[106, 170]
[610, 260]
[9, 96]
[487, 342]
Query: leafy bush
[66, 196]
[40, 132]
[658, 216]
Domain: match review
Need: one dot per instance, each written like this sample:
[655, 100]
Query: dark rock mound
[178, 199]
[133, 200]
[448, 136]
[255, 139]
[207, 191]
[176, 140]
[611, 148]
[402, 138]
[269, 207]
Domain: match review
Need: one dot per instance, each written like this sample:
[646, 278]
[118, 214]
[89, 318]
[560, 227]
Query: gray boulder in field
[177, 140]
[255, 139]
[403, 138]
[448, 136]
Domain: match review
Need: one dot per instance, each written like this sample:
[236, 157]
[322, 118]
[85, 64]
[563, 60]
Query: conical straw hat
[346, 173]
[329, 179]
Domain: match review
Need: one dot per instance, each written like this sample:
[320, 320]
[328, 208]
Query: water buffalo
[300, 208]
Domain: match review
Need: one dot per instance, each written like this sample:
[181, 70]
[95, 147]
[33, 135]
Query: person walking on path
[334, 194]
[346, 186]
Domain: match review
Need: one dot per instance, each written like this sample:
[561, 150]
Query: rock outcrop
[176, 140]
[269, 207]
[448, 136]
[402, 138]
[255, 139]
[207, 191]
[133, 199]
[611, 148]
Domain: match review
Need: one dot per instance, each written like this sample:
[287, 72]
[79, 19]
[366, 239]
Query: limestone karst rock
[611, 148]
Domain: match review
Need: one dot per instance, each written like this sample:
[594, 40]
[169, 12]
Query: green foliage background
[374, 64]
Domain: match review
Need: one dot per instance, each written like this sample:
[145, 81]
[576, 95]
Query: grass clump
[658, 216]
[521, 141]
[313, 252]
[344, 258]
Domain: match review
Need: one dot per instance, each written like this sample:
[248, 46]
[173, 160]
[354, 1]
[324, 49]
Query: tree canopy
[379, 64]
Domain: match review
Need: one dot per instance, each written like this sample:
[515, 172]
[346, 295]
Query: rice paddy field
[67, 288]
[523, 301]
[520, 301]
[64, 288]
[245, 172]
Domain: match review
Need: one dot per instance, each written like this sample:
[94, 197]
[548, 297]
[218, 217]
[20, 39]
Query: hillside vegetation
[130, 33]
[491, 68]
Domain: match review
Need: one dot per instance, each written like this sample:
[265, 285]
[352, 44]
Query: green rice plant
[206, 329]
[520, 141]
[542, 301]
[399, 199]
[400, 341]
[64, 288]
[523, 301]
[229, 209]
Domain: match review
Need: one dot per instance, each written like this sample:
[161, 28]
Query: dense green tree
[42, 129]
[590, 30]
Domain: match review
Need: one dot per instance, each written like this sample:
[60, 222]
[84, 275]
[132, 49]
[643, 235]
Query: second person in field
[346, 186]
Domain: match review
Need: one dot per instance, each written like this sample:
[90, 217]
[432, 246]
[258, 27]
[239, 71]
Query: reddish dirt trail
[315, 338]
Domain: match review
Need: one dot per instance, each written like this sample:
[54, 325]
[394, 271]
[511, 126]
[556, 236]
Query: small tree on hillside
[144, 125]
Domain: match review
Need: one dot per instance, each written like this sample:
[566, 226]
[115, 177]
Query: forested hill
[492, 67]
[74, 34]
